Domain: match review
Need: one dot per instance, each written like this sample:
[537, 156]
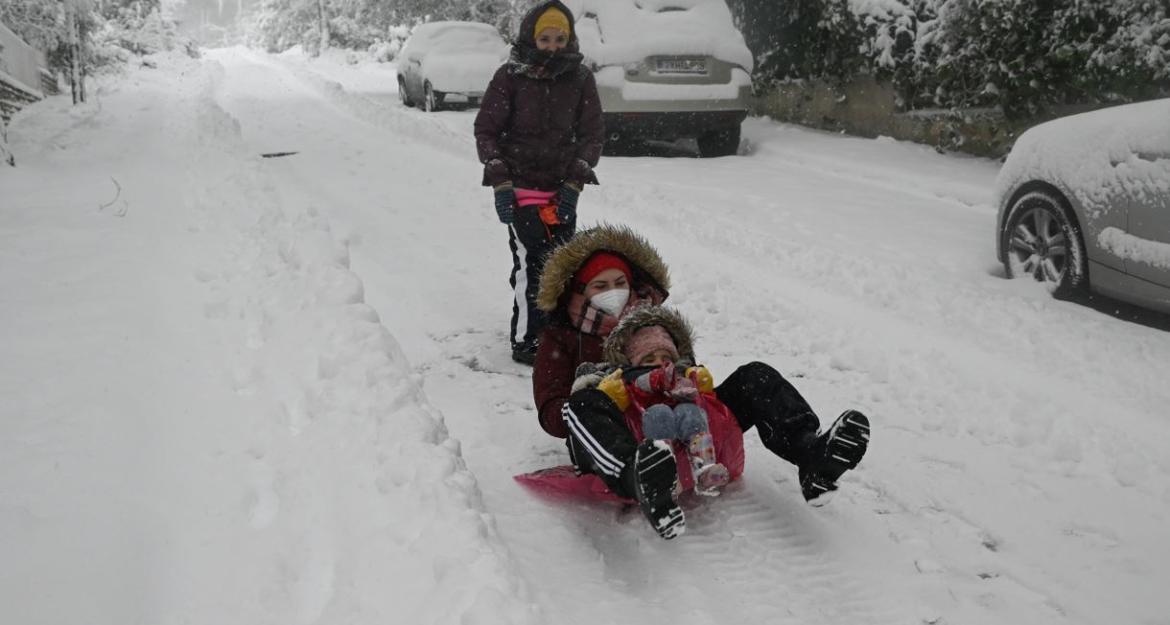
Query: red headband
[598, 263]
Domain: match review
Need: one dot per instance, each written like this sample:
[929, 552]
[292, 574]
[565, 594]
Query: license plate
[681, 65]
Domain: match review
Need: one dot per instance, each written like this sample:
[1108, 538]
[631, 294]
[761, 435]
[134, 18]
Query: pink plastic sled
[562, 483]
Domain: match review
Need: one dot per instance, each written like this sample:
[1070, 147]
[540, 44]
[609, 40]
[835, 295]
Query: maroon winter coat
[539, 122]
[562, 348]
[563, 343]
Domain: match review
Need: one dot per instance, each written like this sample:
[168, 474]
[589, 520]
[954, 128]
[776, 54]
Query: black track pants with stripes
[759, 396]
[600, 443]
[530, 241]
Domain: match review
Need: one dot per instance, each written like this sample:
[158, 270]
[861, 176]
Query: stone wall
[869, 108]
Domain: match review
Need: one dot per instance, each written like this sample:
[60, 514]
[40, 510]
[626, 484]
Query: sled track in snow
[755, 554]
[742, 534]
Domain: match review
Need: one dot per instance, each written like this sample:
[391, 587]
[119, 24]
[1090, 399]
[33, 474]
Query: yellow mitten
[702, 378]
[615, 387]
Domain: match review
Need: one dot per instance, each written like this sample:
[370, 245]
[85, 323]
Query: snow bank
[1122, 151]
[363, 467]
[209, 422]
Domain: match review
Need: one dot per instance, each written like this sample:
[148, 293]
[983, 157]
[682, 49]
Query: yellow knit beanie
[552, 18]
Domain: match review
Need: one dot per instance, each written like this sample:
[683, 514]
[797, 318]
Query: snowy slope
[233, 387]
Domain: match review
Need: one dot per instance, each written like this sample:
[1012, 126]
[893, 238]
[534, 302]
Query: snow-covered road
[249, 369]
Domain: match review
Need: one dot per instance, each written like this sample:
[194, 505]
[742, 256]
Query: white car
[1084, 204]
[667, 69]
[447, 63]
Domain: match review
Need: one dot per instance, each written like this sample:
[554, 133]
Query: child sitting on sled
[664, 397]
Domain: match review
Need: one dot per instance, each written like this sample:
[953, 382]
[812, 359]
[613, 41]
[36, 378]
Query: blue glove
[567, 203]
[505, 203]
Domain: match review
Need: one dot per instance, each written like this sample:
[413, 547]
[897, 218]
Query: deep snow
[250, 390]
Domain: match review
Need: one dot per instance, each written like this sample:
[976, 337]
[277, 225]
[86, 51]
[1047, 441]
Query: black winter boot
[524, 353]
[655, 477]
[834, 452]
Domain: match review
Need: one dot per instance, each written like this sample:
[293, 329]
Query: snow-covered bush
[1018, 55]
[112, 31]
[800, 39]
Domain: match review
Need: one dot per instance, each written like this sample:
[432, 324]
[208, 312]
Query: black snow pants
[600, 443]
[530, 240]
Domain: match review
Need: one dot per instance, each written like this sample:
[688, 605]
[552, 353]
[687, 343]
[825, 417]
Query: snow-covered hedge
[1020, 55]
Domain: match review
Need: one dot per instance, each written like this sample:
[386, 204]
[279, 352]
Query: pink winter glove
[660, 380]
[684, 389]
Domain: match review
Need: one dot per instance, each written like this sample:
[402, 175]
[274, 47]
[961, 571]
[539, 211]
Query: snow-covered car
[667, 69]
[445, 63]
[1084, 203]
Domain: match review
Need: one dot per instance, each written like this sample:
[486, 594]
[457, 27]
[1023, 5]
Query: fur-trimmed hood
[526, 36]
[564, 261]
[679, 329]
[527, 59]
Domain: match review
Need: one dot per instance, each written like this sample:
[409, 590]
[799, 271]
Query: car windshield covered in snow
[626, 31]
[454, 36]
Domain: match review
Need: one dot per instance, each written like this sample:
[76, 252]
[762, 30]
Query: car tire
[402, 94]
[1042, 239]
[432, 99]
[721, 142]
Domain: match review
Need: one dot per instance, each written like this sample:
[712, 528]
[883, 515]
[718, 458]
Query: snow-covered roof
[624, 31]
[454, 36]
[1118, 151]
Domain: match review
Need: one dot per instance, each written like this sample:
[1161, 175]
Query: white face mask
[611, 301]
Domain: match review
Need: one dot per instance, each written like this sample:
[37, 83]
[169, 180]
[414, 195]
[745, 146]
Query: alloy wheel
[1039, 246]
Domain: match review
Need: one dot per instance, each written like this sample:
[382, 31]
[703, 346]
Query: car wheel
[432, 99]
[1043, 240]
[721, 142]
[402, 94]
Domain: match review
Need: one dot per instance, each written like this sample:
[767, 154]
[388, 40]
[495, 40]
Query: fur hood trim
[613, 350]
[566, 259]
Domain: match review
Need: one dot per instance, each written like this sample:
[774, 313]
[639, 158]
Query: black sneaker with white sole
[835, 452]
[654, 484]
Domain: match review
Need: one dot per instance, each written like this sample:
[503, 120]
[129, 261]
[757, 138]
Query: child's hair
[647, 340]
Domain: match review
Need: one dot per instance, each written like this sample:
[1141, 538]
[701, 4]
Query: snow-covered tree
[1018, 55]
[277, 25]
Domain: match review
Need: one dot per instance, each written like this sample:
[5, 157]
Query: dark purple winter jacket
[539, 123]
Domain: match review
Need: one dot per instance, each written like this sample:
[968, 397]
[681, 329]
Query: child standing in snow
[539, 135]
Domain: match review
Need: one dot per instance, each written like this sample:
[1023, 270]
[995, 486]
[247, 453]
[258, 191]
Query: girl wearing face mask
[539, 135]
[587, 285]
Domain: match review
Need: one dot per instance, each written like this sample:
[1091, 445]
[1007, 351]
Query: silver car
[449, 63]
[667, 69]
[1084, 204]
